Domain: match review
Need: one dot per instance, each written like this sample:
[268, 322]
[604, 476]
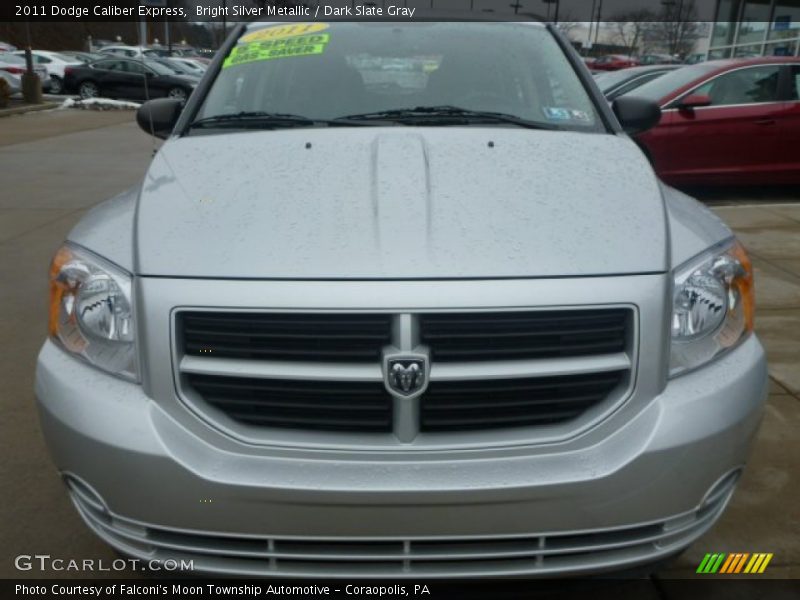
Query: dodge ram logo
[406, 376]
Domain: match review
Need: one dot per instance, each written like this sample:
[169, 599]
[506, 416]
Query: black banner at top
[243, 10]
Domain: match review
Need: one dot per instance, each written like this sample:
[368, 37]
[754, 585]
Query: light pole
[599, 16]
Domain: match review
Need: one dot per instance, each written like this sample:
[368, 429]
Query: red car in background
[614, 62]
[727, 122]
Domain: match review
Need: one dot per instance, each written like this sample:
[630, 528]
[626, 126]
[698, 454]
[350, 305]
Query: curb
[20, 110]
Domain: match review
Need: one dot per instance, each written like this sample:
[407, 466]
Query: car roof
[648, 69]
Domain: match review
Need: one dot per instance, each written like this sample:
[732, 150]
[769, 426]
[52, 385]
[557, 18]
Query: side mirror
[158, 117]
[694, 101]
[636, 115]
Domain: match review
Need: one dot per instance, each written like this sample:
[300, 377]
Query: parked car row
[130, 79]
[51, 66]
[616, 62]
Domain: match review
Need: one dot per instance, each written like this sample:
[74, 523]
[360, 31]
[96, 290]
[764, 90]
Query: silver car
[438, 319]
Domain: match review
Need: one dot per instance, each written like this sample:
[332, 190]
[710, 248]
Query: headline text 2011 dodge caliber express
[400, 300]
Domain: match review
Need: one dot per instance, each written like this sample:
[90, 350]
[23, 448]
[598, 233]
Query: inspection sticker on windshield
[269, 49]
[557, 113]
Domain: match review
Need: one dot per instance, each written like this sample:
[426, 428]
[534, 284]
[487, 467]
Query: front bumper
[154, 489]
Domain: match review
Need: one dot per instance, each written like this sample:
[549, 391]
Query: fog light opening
[723, 487]
[84, 492]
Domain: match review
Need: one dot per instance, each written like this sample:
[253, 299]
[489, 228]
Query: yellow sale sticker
[277, 32]
[277, 48]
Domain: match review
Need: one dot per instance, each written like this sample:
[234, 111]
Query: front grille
[295, 404]
[523, 335]
[323, 371]
[460, 405]
[283, 336]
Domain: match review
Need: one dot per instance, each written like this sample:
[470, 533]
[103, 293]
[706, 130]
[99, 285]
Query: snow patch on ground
[99, 104]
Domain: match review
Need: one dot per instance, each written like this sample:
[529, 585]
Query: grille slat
[452, 406]
[305, 337]
[526, 335]
[312, 405]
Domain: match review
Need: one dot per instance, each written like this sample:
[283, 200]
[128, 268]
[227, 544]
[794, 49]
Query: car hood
[397, 202]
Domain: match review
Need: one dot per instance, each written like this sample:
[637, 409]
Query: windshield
[659, 88]
[329, 71]
[158, 67]
[176, 67]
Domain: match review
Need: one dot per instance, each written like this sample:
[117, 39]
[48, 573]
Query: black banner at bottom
[644, 589]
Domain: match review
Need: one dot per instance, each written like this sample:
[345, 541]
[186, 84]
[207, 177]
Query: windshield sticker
[279, 32]
[580, 115]
[305, 45]
[557, 113]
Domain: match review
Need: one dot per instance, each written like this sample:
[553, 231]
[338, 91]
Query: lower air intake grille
[460, 405]
[296, 404]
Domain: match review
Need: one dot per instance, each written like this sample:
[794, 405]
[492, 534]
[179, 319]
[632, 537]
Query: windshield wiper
[254, 119]
[267, 120]
[445, 115]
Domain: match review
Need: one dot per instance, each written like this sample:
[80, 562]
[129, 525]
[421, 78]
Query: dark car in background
[178, 68]
[727, 122]
[138, 80]
[616, 83]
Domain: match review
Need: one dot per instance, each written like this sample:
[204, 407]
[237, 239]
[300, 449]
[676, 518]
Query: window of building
[785, 20]
[725, 26]
[755, 19]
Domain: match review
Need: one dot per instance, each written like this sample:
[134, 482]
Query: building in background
[745, 28]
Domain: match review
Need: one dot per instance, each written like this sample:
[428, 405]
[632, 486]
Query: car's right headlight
[91, 313]
[713, 306]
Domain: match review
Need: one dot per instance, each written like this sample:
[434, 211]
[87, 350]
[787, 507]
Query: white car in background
[15, 65]
[54, 64]
[14, 81]
[128, 51]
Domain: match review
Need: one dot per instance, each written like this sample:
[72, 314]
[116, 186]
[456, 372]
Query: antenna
[142, 44]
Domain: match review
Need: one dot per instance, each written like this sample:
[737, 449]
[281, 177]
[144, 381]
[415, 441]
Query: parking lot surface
[57, 164]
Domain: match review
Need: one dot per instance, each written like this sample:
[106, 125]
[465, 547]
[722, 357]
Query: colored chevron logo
[734, 563]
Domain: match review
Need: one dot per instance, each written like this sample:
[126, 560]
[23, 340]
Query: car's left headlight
[91, 313]
[713, 306]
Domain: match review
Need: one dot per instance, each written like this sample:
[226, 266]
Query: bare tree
[567, 26]
[628, 28]
[676, 29]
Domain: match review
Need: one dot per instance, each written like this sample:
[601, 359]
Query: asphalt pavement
[57, 164]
